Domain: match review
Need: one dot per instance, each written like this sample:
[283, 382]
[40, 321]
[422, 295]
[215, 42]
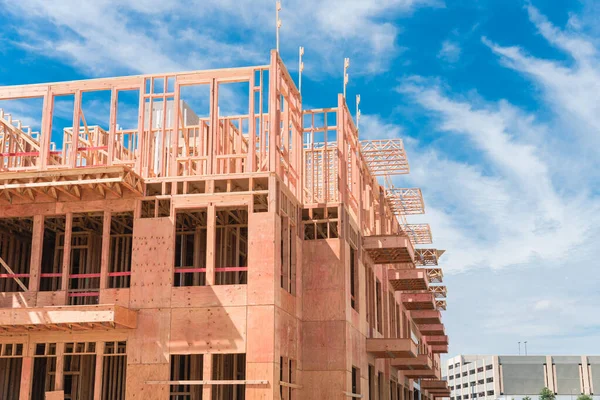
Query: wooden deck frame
[408, 280]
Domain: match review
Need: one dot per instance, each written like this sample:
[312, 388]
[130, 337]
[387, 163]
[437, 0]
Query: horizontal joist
[389, 249]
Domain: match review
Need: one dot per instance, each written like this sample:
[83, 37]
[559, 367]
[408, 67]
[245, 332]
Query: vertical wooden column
[342, 150]
[26, 375]
[214, 127]
[207, 375]
[75, 131]
[251, 161]
[67, 253]
[142, 142]
[172, 168]
[211, 243]
[46, 131]
[112, 127]
[60, 360]
[98, 373]
[35, 262]
[274, 114]
[105, 257]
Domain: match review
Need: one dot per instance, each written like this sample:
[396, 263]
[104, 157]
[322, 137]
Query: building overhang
[69, 184]
[408, 279]
[392, 348]
[417, 301]
[432, 330]
[426, 317]
[434, 385]
[421, 373]
[437, 340]
[67, 318]
[389, 249]
[439, 349]
[421, 362]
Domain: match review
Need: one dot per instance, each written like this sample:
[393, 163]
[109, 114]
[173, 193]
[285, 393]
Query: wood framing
[207, 238]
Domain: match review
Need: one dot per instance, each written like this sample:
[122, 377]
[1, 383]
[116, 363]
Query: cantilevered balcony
[434, 385]
[421, 362]
[408, 279]
[418, 301]
[432, 329]
[422, 373]
[437, 340]
[439, 349]
[392, 348]
[389, 249]
[67, 318]
[426, 317]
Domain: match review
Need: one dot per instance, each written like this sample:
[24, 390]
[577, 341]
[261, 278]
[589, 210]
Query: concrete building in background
[514, 377]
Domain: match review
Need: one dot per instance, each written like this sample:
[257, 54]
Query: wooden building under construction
[208, 239]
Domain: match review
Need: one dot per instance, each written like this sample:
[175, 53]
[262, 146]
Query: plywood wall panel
[152, 263]
[209, 296]
[261, 334]
[208, 330]
[324, 345]
[262, 371]
[148, 344]
[138, 374]
[287, 335]
[45, 299]
[263, 276]
[328, 385]
[119, 297]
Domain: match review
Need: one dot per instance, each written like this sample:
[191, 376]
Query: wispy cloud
[450, 51]
[151, 36]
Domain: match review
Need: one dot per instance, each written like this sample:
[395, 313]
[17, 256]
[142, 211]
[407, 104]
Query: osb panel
[263, 276]
[324, 304]
[148, 344]
[261, 334]
[17, 300]
[321, 268]
[287, 339]
[357, 343]
[324, 345]
[329, 385]
[209, 296]
[152, 263]
[262, 371]
[119, 297]
[137, 375]
[45, 299]
[208, 330]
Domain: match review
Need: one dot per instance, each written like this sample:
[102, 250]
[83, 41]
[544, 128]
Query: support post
[64, 284]
[211, 232]
[105, 257]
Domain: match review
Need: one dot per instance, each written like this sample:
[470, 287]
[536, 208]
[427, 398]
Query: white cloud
[152, 36]
[450, 51]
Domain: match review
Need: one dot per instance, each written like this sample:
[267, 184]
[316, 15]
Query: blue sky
[498, 102]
